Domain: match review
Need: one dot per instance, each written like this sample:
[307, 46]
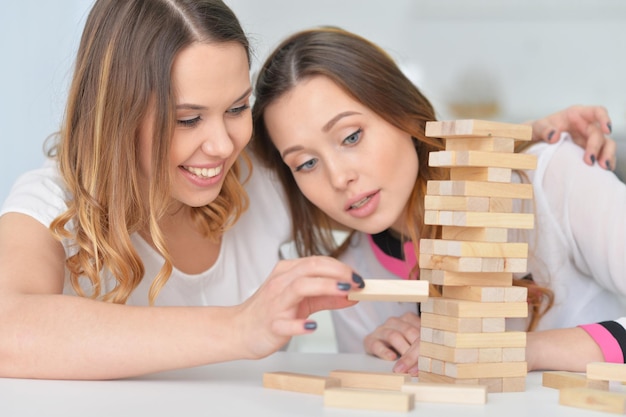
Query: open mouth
[204, 172]
[361, 203]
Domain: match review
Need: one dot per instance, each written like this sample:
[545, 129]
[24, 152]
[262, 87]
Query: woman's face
[214, 123]
[356, 167]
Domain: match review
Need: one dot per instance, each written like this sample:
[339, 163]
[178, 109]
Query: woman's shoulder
[39, 193]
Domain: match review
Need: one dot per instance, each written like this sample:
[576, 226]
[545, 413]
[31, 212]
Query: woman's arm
[45, 334]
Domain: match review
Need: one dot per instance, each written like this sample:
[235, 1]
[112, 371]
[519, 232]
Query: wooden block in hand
[391, 290]
[447, 393]
[289, 381]
[368, 399]
[477, 128]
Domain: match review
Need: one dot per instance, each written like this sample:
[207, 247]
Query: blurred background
[508, 60]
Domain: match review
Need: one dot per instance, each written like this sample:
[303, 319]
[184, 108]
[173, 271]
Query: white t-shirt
[248, 253]
[577, 248]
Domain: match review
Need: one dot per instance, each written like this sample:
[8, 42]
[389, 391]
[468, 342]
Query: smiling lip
[204, 176]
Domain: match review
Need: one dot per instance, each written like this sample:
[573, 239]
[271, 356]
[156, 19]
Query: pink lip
[368, 208]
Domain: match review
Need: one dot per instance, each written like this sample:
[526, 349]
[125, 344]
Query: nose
[341, 174]
[217, 141]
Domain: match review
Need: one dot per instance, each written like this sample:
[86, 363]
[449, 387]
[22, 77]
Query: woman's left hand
[589, 127]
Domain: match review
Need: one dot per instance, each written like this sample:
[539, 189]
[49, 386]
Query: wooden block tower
[463, 335]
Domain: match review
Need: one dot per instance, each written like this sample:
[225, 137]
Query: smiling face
[348, 161]
[213, 121]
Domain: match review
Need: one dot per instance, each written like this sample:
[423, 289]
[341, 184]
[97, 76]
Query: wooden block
[474, 249]
[481, 174]
[606, 371]
[447, 393]
[493, 324]
[368, 399]
[459, 308]
[424, 364]
[513, 294]
[486, 355]
[562, 379]
[514, 354]
[451, 324]
[480, 234]
[484, 340]
[593, 399]
[486, 370]
[489, 144]
[442, 379]
[454, 278]
[289, 381]
[371, 380]
[480, 219]
[475, 293]
[477, 128]
[462, 203]
[516, 384]
[468, 264]
[392, 290]
[472, 158]
[448, 354]
[479, 189]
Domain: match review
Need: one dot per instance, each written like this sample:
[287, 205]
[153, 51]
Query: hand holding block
[391, 290]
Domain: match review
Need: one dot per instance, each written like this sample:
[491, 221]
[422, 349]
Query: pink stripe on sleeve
[605, 340]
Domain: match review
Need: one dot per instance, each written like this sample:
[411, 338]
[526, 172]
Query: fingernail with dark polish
[608, 165]
[610, 126]
[344, 286]
[593, 159]
[550, 135]
[358, 280]
[310, 325]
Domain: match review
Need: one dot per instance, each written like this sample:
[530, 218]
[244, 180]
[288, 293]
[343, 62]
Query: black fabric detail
[619, 333]
[390, 245]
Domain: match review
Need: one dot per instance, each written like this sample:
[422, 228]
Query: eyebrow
[335, 119]
[189, 106]
[329, 125]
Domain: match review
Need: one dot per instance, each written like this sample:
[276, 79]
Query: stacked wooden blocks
[463, 335]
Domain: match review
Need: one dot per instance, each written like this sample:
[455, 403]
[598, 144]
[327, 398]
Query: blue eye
[353, 138]
[307, 166]
[238, 110]
[189, 122]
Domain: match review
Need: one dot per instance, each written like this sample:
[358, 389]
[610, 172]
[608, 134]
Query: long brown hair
[123, 68]
[370, 76]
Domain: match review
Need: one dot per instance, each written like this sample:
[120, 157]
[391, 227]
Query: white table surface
[236, 389]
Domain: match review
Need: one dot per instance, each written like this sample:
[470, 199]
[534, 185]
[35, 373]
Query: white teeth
[205, 172]
[360, 203]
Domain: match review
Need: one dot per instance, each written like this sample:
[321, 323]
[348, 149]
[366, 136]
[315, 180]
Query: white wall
[532, 56]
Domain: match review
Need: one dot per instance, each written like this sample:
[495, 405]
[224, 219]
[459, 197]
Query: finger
[378, 348]
[595, 140]
[607, 156]
[412, 318]
[545, 129]
[408, 363]
[600, 116]
[293, 327]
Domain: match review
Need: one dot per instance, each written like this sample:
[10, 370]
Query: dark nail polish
[344, 286]
[550, 135]
[608, 165]
[610, 126]
[310, 325]
[593, 159]
[358, 280]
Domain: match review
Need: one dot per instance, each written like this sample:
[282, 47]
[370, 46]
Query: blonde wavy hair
[370, 76]
[123, 68]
